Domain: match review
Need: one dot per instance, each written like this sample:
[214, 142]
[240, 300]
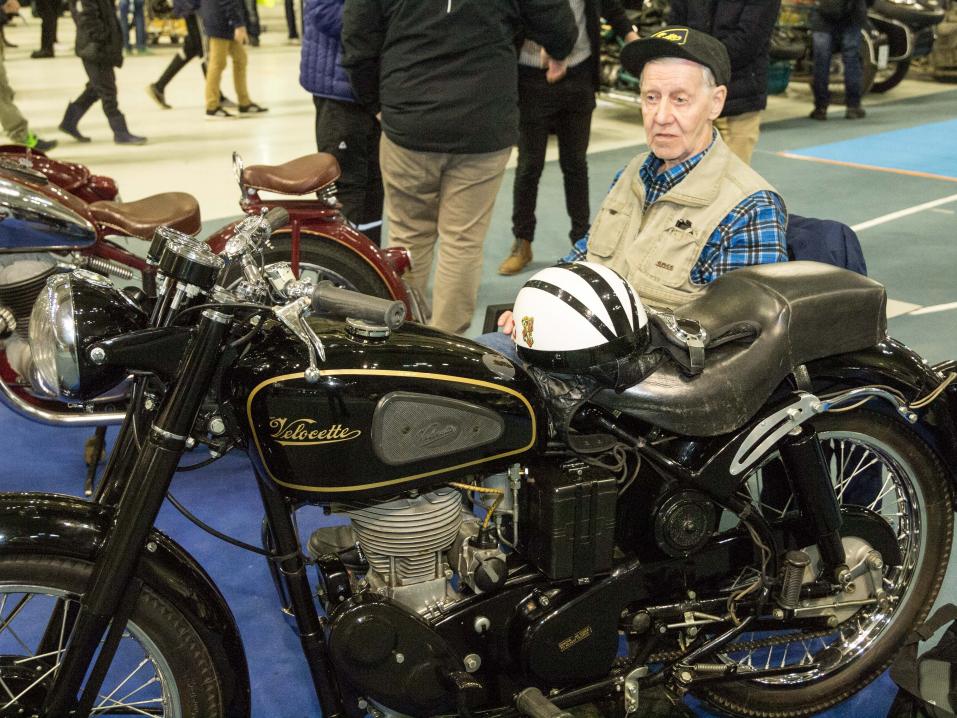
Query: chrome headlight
[72, 312]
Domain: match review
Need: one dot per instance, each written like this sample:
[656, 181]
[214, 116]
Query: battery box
[568, 519]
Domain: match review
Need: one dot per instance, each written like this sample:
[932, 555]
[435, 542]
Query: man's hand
[240, 36]
[11, 7]
[506, 322]
[554, 69]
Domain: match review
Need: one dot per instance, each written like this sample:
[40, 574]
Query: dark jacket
[185, 8]
[445, 72]
[856, 16]
[221, 17]
[744, 26]
[614, 14]
[320, 68]
[98, 36]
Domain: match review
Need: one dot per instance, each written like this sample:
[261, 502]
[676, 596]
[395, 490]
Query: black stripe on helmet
[609, 297]
[575, 304]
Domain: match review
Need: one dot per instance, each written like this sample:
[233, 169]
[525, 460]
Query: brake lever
[293, 315]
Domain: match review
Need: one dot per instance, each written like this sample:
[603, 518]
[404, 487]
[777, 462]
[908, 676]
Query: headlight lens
[53, 339]
[73, 312]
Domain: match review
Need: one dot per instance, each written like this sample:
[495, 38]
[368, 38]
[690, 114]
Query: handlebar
[334, 300]
[276, 217]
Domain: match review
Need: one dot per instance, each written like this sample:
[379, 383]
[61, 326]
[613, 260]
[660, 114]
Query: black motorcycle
[762, 529]
[910, 27]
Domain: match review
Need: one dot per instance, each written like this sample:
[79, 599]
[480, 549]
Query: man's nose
[663, 112]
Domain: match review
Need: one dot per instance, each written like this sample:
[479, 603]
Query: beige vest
[656, 250]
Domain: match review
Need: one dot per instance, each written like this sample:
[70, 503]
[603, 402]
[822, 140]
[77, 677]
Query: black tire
[919, 496]
[158, 639]
[321, 258]
[884, 81]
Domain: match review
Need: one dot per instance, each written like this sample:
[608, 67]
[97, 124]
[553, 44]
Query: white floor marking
[896, 308]
[883, 219]
[935, 308]
[943, 211]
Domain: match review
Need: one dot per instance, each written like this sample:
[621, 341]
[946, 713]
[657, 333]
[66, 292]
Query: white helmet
[581, 318]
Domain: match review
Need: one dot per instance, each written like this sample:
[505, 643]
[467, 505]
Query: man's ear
[718, 96]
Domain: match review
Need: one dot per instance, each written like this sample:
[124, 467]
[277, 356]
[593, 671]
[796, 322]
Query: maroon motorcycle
[41, 197]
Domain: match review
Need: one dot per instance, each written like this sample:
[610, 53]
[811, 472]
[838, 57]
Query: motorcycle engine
[406, 544]
[22, 278]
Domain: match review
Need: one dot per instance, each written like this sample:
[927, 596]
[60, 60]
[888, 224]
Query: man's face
[678, 108]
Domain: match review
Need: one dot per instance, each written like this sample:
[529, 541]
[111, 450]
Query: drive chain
[771, 641]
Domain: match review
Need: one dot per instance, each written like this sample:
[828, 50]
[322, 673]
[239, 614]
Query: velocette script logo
[308, 432]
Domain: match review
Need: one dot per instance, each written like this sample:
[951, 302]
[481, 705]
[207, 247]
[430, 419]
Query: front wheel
[161, 667]
[879, 464]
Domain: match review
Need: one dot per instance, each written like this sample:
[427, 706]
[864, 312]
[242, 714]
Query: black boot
[158, 89]
[71, 121]
[121, 134]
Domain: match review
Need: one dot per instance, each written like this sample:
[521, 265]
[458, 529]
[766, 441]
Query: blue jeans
[850, 38]
[500, 342]
[139, 20]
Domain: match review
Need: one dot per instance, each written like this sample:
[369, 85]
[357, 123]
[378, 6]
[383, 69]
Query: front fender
[70, 527]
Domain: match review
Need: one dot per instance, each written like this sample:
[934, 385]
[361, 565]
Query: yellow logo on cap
[678, 37]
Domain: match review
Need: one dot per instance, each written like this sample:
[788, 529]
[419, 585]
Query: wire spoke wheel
[877, 464]
[160, 667]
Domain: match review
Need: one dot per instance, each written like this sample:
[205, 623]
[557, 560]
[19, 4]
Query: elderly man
[689, 210]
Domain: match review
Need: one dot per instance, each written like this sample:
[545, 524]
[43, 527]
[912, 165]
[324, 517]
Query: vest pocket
[607, 230]
[672, 256]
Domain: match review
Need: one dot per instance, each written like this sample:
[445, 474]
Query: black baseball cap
[677, 41]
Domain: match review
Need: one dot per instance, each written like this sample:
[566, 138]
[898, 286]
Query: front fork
[810, 480]
[109, 597]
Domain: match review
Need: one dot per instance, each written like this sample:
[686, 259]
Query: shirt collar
[669, 178]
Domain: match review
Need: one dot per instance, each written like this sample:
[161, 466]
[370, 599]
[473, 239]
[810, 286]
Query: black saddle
[804, 311]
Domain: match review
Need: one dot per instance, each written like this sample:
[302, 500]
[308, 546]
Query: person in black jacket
[443, 73]
[559, 95]
[838, 21]
[744, 28]
[99, 44]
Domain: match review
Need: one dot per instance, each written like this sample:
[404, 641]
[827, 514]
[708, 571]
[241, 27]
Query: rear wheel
[322, 259]
[890, 77]
[877, 463]
[161, 667]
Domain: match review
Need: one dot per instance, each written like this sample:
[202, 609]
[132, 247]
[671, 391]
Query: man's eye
[650, 98]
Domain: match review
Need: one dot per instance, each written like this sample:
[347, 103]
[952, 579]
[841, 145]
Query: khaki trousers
[218, 50]
[740, 133]
[11, 119]
[446, 199]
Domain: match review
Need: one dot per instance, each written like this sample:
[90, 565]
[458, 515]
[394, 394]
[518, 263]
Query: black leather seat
[805, 311]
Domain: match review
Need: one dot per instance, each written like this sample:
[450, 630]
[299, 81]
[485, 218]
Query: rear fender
[69, 527]
[894, 364]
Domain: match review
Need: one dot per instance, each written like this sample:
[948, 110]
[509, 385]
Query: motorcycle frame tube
[18, 405]
[292, 572]
[123, 544]
[899, 36]
[49, 524]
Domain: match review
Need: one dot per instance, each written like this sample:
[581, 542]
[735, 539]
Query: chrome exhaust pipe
[17, 405]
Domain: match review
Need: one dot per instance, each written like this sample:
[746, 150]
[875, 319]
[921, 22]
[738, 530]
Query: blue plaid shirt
[752, 233]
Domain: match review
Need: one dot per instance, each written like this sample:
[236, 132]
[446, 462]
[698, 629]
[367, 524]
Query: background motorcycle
[319, 242]
[910, 26]
[764, 534]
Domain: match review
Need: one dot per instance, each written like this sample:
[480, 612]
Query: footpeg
[531, 702]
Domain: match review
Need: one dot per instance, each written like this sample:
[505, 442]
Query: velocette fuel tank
[390, 414]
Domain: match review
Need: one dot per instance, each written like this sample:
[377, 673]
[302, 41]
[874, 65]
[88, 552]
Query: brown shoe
[515, 262]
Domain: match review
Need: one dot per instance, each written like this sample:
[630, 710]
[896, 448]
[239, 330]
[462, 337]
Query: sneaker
[41, 145]
[218, 113]
[854, 113]
[519, 258]
[252, 109]
[42, 52]
[819, 113]
[158, 96]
